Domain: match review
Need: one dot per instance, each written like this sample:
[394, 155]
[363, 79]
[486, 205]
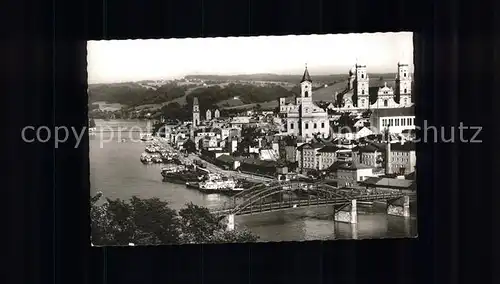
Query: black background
[456, 77]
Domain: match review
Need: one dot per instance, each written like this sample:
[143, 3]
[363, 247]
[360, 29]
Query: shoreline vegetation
[152, 222]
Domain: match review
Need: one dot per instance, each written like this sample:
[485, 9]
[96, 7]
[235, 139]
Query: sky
[134, 60]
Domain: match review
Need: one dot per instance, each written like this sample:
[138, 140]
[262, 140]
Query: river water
[115, 170]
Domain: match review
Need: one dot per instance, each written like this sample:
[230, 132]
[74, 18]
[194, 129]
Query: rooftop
[408, 146]
[329, 149]
[411, 176]
[389, 182]
[226, 159]
[355, 166]
[406, 111]
[348, 166]
[306, 76]
[370, 148]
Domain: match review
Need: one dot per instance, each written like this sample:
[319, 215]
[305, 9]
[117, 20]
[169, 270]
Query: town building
[395, 120]
[327, 156]
[308, 157]
[349, 173]
[403, 158]
[369, 155]
[304, 118]
[353, 134]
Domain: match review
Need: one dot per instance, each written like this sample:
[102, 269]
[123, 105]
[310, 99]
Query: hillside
[265, 91]
[294, 79]
[267, 78]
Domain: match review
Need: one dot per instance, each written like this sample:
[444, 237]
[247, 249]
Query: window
[315, 126]
[322, 125]
[306, 94]
[405, 91]
[385, 102]
[306, 125]
[362, 76]
[362, 92]
[405, 100]
[404, 75]
[291, 125]
[408, 121]
[403, 122]
[396, 122]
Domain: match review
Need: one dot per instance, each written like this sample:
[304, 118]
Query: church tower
[361, 85]
[306, 89]
[196, 113]
[403, 85]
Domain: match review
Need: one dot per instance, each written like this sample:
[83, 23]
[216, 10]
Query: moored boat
[146, 137]
[181, 177]
[215, 183]
[193, 184]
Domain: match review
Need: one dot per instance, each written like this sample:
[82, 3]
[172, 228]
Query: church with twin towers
[358, 95]
[306, 119]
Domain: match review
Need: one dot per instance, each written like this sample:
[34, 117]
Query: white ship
[146, 137]
[216, 182]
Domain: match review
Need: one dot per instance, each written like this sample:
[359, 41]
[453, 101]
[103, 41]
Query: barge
[180, 177]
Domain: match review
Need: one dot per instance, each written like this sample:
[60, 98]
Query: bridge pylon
[230, 222]
[347, 213]
[399, 206]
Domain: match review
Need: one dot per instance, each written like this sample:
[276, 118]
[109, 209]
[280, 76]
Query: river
[115, 170]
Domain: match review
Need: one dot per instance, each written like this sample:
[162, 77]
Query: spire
[195, 101]
[306, 76]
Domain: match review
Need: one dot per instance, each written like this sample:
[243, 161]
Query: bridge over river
[288, 195]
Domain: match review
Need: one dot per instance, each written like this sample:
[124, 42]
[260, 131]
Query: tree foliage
[153, 222]
[132, 94]
[190, 146]
[246, 93]
[248, 139]
[174, 111]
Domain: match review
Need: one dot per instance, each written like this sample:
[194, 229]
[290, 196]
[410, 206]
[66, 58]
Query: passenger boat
[215, 183]
[146, 159]
[146, 137]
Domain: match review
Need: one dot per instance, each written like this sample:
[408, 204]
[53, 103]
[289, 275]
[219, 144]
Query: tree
[198, 224]
[152, 222]
[366, 114]
[190, 146]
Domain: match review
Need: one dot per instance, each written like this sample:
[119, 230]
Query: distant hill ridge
[288, 78]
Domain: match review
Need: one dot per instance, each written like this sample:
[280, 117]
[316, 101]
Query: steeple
[306, 76]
